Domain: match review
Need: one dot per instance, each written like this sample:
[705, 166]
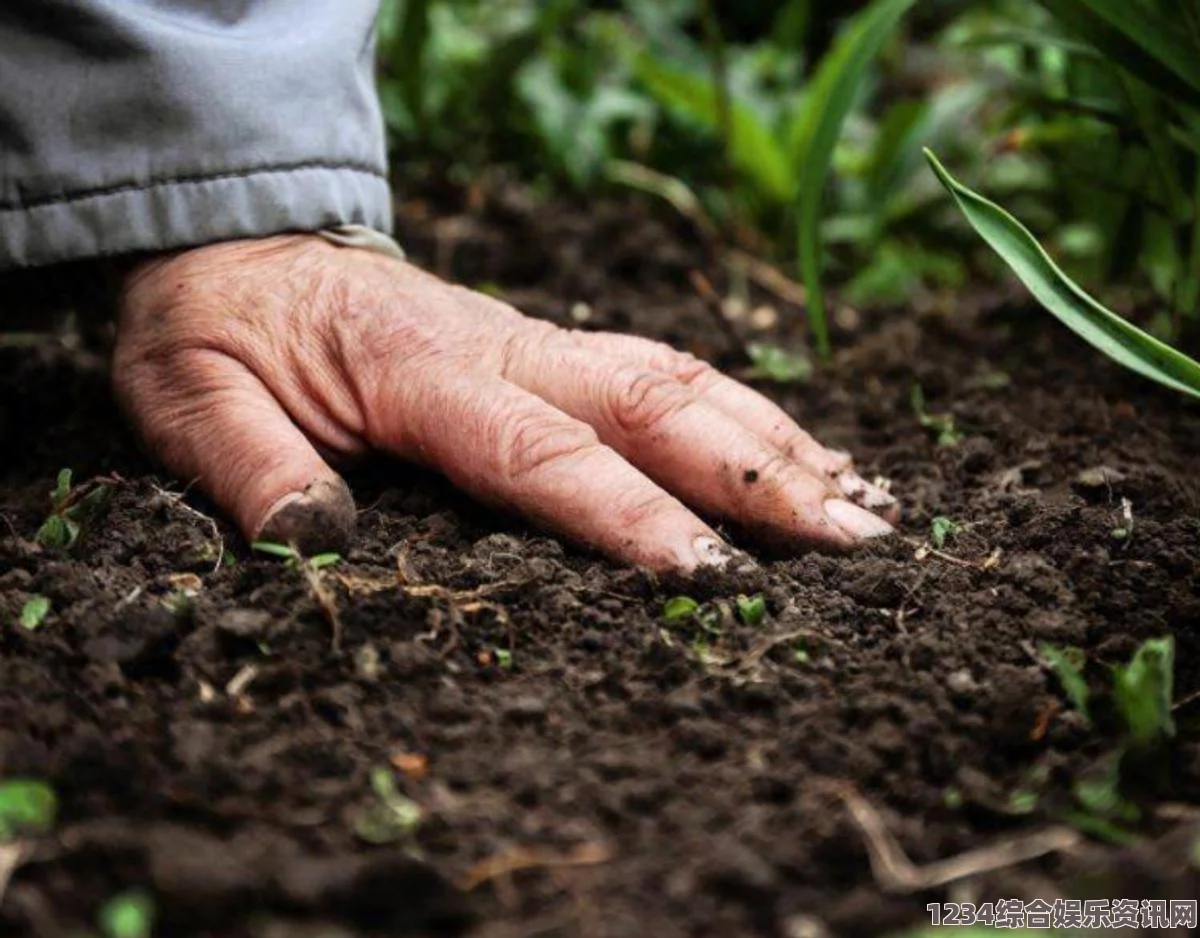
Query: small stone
[245, 623]
[961, 681]
[525, 709]
[1099, 477]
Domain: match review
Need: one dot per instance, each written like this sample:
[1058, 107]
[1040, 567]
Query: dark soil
[618, 775]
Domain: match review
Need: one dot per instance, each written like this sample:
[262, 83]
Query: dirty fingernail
[715, 553]
[855, 521]
[318, 519]
[862, 492]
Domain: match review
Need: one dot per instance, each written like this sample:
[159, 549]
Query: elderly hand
[250, 366]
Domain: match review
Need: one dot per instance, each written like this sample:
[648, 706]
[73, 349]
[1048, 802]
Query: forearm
[143, 125]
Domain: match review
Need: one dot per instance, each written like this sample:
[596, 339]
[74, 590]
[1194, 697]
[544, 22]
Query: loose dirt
[582, 766]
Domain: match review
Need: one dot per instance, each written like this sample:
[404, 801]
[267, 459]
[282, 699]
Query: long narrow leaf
[753, 149]
[1120, 340]
[819, 124]
[1132, 35]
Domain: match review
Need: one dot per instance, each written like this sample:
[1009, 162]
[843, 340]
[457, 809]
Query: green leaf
[128, 915]
[275, 550]
[818, 126]
[754, 151]
[941, 528]
[1067, 664]
[33, 613]
[321, 561]
[27, 808]
[751, 609]
[1143, 690]
[57, 532]
[62, 487]
[771, 363]
[392, 816]
[1121, 341]
[1131, 35]
[680, 607]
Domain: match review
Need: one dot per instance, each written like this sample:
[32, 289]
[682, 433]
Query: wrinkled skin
[250, 367]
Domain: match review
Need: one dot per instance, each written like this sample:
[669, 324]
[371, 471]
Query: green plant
[943, 426]
[941, 528]
[70, 508]
[1143, 690]
[128, 915]
[390, 816]
[34, 612]
[751, 609]
[771, 363]
[680, 608]
[294, 559]
[1117, 338]
[27, 808]
[1067, 664]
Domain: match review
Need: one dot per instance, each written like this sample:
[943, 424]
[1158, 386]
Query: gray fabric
[360, 236]
[130, 125]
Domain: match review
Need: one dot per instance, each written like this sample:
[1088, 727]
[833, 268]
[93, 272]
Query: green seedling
[504, 658]
[34, 612]
[391, 816]
[1068, 663]
[680, 608]
[1143, 689]
[771, 363]
[751, 609]
[942, 425]
[128, 915]
[941, 528]
[70, 509]
[27, 808]
[1104, 812]
[294, 559]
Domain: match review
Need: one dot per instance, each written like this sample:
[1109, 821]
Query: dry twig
[895, 872]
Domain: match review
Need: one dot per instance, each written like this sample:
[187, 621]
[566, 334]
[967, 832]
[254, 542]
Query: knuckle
[776, 472]
[532, 443]
[643, 511]
[646, 400]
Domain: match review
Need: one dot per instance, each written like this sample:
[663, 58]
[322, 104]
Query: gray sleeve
[134, 125]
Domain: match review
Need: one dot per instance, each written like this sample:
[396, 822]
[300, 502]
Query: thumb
[210, 420]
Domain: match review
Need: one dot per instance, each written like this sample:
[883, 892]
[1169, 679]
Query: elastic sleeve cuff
[188, 212]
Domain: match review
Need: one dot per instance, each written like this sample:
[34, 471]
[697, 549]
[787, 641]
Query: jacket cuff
[191, 211]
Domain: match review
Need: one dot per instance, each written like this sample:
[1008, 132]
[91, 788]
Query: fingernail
[855, 521]
[862, 492]
[317, 519]
[716, 554]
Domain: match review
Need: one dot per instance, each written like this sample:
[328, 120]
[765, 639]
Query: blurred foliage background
[720, 107]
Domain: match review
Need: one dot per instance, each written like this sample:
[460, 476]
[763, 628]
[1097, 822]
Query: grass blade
[1134, 36]
[818, 126]
[1121, 341]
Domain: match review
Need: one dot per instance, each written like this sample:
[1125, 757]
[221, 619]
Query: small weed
[391, 816]
[27, 808]
[34, 613]
[1067, 663]
[771, 363]
[941, 528]
[70, 509]
[128, 915]
[680, 608]
[310, 568]
[294, 559]
[1143, 690]
[751, 609]
[942, 425]
[1123, 530]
